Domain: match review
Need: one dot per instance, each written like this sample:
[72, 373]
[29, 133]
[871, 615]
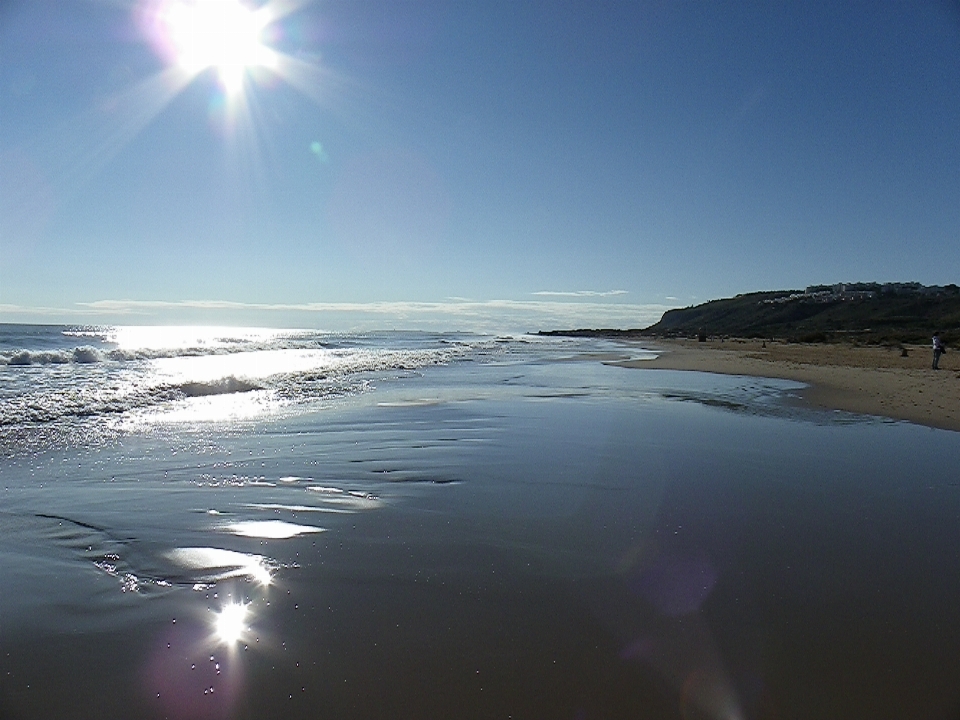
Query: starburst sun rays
[231, 38]
[226, 35]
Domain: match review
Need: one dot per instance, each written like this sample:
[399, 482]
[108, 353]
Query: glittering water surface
[56, 378]
[487, 528]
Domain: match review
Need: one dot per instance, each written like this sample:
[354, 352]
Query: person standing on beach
[938, 350]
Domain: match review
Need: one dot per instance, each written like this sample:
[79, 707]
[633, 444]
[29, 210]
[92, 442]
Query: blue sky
[474, 164]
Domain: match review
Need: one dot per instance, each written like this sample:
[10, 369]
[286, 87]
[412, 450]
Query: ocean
[260, 523]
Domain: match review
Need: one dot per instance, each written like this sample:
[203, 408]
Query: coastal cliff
[867, 312]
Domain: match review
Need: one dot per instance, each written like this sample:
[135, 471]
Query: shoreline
[868, 380]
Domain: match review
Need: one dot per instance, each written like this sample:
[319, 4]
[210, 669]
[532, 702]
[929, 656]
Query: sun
[225, 35]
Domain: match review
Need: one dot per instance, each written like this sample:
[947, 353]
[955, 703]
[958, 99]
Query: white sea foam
[50, 357]
[137, 376]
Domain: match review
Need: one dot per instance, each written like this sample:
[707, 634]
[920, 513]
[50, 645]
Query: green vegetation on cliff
[868, 312]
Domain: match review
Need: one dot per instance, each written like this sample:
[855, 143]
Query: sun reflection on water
[173, 337]
[220, 564]
[271, 529]
[231, 623]
[199, 669]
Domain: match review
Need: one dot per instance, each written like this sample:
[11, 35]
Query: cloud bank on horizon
[460, 314]
[364, 162]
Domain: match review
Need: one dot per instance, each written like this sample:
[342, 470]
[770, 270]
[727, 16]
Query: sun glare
[232, 38]
[231, 624]
[222, 34]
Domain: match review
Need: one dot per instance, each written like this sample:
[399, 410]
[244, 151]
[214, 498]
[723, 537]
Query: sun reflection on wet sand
[198, 670]
[270, 529]
[230, 624]
[217, 409]
[222, 564]
[172, 337]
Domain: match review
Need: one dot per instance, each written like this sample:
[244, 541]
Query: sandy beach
[862, 379]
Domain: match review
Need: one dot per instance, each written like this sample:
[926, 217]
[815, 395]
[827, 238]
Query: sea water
[222, 522]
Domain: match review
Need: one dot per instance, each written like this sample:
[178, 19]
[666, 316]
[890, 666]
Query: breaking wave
[40, 407]
[86, 354]
[224, 386]
[56, 379]
[83, 354]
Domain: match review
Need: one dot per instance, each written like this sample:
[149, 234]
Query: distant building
[860, 291]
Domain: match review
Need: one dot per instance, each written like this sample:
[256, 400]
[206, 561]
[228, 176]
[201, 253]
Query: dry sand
[862, 379]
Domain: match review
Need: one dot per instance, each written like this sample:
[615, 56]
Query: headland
[862, 347]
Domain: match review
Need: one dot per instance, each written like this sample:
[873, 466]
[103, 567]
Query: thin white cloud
[580, 293]
[37, 311]
[481, 316]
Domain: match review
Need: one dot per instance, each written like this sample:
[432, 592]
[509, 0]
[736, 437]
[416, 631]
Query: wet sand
[545, 537]
[862, 379]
